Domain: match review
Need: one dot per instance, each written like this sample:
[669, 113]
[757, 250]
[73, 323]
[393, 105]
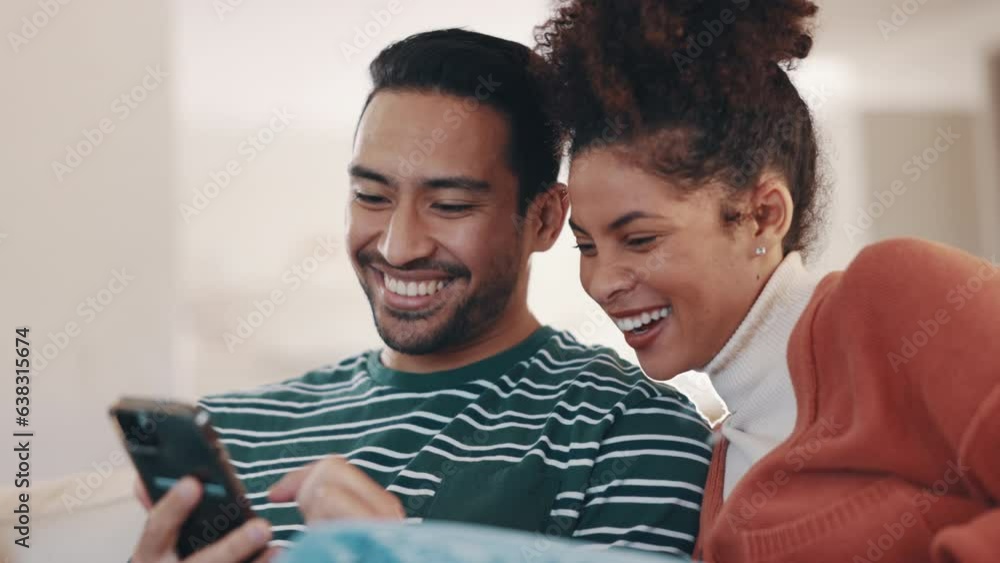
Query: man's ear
[546, 215]
[771, 210]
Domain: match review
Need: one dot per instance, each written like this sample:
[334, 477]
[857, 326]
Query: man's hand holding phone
[328, 489]
[163, 526]
[179, 456]
[201, 512]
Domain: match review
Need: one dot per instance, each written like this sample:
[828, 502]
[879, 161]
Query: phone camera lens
[140, 430]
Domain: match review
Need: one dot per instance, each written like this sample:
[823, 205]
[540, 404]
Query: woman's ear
[771, 210]
[546, 216]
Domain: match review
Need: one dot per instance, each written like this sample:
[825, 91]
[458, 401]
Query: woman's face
[661, 263]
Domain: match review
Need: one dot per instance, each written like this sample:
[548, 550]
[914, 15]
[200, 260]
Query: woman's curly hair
[696, 90]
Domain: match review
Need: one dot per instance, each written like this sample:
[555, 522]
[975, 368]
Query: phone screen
[167, 441]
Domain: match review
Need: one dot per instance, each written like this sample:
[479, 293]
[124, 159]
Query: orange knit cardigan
[895, 454]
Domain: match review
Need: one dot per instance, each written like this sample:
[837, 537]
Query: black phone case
[167, 441]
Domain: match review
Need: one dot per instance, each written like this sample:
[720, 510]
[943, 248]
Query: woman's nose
[608, 282]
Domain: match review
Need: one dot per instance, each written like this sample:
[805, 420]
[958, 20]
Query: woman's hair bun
[696, 91]
[640, 55]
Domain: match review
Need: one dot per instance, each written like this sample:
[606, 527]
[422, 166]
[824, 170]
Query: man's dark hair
[494, 71]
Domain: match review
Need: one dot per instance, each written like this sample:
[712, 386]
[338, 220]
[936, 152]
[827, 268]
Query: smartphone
[168, 440]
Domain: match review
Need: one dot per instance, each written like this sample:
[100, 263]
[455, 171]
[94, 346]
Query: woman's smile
[642, 326]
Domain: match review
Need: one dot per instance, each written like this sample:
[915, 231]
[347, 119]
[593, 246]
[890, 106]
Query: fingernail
[187, 488]
[258, 531]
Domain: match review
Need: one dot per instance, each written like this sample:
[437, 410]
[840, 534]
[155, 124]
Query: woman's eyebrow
[618, 223]
[631, 216]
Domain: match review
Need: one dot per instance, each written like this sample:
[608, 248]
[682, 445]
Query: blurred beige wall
[922, 179]
[88, 260]
[934, 61]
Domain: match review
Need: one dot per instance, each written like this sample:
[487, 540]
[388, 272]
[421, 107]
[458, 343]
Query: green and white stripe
[550, 436]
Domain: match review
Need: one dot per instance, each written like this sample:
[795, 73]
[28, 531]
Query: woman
[865, 407]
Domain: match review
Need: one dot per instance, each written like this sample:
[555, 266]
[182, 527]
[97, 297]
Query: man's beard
[473, 316]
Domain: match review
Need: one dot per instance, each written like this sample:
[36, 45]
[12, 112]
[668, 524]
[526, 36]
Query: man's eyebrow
[359, 171]
[456, 182]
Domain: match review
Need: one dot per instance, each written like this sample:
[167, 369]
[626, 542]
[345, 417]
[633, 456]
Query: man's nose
[406, 238]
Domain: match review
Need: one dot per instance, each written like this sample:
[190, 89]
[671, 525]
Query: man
[473, 411]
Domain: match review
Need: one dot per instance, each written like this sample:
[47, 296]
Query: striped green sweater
[550, 436]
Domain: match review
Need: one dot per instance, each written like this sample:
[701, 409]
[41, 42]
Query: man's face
[431, 227]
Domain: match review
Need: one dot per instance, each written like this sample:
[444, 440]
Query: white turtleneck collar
[751, 374]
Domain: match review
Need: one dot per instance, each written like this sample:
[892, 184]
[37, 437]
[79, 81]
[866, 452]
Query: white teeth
[412, 289]
[638, 321]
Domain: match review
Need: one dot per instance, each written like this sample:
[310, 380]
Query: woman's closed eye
[586, 248]
[640, 242]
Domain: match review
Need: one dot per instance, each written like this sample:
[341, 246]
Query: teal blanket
[440, 542]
